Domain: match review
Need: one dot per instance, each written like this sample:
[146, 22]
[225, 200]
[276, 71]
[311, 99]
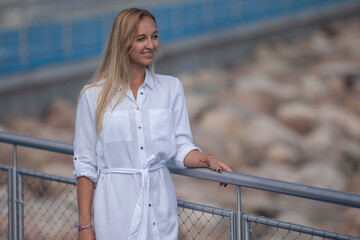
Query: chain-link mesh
[3, 203]
[50, 209]
[196, 223]
[261, 228]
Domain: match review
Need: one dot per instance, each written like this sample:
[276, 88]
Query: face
[145, 44]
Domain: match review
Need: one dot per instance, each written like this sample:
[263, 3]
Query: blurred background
[272, 87]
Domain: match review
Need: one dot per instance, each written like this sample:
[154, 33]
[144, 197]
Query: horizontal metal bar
[296, 227]
[266, 184]
[4, 167]
[287, 188]
[38, 143]
[293, 189]
[46, 176]
[203, 208]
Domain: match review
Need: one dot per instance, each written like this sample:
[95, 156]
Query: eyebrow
[141, 35]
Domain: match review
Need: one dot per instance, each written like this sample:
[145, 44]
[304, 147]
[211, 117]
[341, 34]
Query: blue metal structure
[35, 45]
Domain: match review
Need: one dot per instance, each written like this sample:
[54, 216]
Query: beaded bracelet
[79, 227]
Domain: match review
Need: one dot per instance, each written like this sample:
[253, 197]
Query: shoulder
[90, 93]
[92, 90]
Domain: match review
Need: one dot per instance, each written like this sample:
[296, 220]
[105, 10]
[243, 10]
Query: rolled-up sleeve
[183, 135]
[84, 159]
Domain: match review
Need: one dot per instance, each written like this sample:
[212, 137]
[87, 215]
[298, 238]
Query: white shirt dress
[135, 196]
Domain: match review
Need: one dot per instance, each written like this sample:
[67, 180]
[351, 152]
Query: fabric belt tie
[138, 229]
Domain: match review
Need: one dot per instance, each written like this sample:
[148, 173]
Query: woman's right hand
[86, 234]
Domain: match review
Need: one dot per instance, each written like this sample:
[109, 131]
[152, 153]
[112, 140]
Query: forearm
[85, 192]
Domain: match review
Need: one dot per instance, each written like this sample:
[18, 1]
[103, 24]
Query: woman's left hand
[218, 165]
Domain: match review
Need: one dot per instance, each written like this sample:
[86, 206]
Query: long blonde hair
[115, 65]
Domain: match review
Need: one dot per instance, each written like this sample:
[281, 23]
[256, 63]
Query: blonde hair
[115, 65]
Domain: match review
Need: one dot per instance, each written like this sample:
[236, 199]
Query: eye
[155, 36]
[141, 38]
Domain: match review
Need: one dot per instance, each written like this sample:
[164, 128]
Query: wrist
[207, 160]
[82, 227]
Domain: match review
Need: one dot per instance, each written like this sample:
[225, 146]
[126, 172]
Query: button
[143, 167]
[149, 204]
[137, 109]
[141, 93]
[75, 158]
[141, 148]
[139, 127]
[154, 223]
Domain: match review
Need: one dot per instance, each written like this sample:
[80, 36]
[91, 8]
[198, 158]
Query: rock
[283, 153]
[196, 103]
[59, 168]
[22, 125]
[350, 152]
[354, 184]
[322, 175]
[60, 114]
[323, 137]
[225, 120]
[294, 217]
[275, 171]
[349, 122]
[253, 102]
[337, 68]
[262, 84]
[298, 116]
[264, 130]
[320, 43]
[313, 89]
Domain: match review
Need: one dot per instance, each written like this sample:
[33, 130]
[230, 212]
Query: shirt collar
[149, 80]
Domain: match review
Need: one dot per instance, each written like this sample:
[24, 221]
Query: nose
[150, 44]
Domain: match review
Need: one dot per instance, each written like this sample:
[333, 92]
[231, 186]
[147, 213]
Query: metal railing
[56, 199]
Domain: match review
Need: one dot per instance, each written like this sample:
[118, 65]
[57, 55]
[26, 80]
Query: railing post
[232, 226]
[13, 198]
[239, 225]
[20, 207]
[247, 230]
[10, 206]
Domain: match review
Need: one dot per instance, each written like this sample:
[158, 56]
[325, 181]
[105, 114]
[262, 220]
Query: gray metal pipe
[238, 179]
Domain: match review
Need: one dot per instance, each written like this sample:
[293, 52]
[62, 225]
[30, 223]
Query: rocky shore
[290, 112]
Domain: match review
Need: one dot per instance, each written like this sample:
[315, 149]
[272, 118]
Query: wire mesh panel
[3, 204]
[262, 228]
[50, 209]
[202, 222]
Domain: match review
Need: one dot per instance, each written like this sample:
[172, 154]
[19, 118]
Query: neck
[137, 76]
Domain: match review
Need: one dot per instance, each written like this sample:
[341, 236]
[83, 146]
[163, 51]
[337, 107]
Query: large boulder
[299, 116]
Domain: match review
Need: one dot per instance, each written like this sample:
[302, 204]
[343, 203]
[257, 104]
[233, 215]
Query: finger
[216, 167]
[225, 166]
[223, 184]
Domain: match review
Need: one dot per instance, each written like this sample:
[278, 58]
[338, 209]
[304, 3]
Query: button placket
[140, 133]
[152, 221]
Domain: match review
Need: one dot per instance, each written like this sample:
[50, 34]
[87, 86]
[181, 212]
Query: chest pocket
[116, 127]
[161, 124]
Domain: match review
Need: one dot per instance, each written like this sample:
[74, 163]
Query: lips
[148, 54]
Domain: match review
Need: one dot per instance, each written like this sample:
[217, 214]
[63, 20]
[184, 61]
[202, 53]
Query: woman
[129, 122]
